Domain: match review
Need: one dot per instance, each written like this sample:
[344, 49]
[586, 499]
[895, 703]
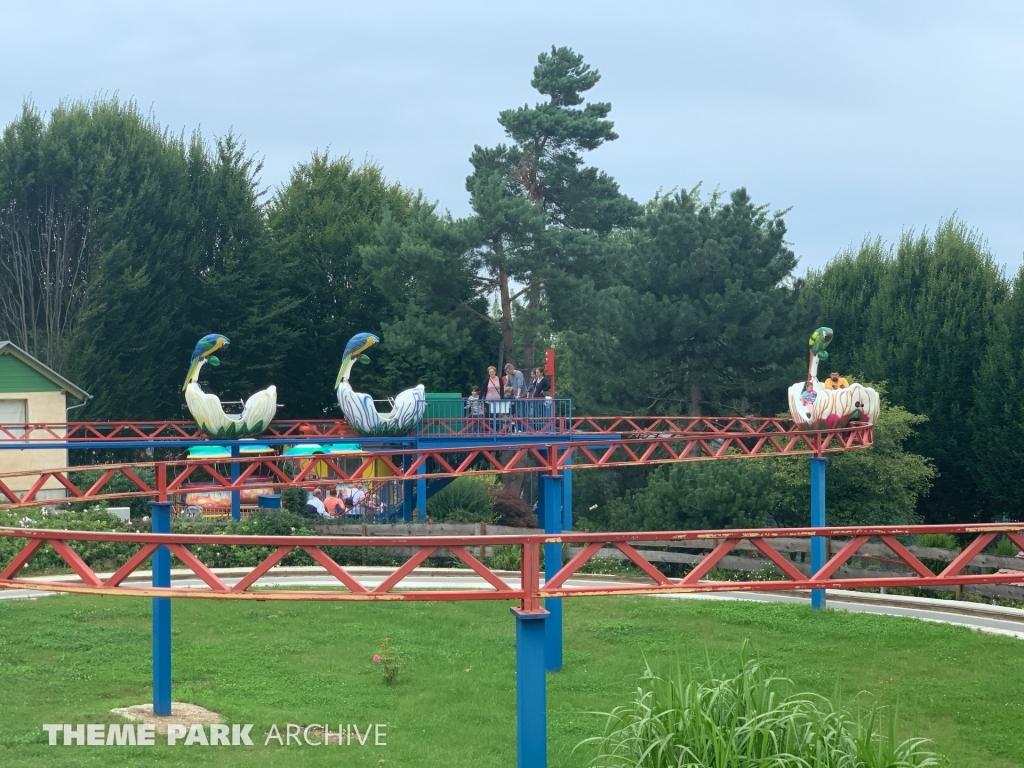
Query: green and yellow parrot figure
[360, 411]
[818, 341]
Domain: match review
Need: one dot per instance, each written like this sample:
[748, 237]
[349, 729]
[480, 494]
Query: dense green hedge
[105, 556]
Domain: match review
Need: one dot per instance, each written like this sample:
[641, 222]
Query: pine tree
[539, 210]
[437, 328]
[707, 315]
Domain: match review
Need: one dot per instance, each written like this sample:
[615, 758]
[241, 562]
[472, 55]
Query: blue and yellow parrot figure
[204, 351]
[257, 412]
[407, 407]
[356, 346]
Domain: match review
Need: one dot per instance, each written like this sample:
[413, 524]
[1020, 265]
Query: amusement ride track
[552, 446]
[441, 448]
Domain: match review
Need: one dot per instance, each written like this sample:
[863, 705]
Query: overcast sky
[864, 118]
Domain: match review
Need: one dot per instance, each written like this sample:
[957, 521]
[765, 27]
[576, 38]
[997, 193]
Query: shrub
[139, 507]
[506, 558]
[510, 509]
[938, 540]
[749, 720]
[98, 554]
[1005, 548]
[293, 500]
[390, 660]
[105, 555]
[466, 500]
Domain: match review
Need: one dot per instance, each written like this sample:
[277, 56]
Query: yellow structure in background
[377, 469]
[31, 392]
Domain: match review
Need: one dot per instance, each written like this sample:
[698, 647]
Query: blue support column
[549, 507]
[236, 496]
[817, 521]
[161, 516]
[421, 496]
[531, 690]
[567, 500]
[408, 487]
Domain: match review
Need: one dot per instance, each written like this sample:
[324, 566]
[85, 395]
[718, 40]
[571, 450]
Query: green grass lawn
[71, 659]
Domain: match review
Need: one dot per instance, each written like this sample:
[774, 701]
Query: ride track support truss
[119, 431]
[707, 427]
[552, 456]
[529, 591]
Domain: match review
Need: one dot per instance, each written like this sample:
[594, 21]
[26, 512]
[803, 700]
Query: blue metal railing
[496, 420]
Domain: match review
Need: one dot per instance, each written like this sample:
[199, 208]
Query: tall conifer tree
[706, 317]
[924, 329]
[538, 207]
[997, 455]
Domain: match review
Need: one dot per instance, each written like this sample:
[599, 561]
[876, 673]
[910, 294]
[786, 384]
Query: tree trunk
[513, 481]
[507, 339]
[695, 399]
[530, 342]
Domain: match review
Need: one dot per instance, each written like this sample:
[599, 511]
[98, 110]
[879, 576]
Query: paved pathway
[984, 618]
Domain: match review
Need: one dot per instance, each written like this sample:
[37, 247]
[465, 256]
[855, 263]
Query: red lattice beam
[561, 453]
[529, 591]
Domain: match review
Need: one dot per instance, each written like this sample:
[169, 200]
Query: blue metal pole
[550, 507]
[567, 500]
[407, 491]
[161, 515]
[421, 495]
[531, 690]
[236, 496]
[817, 521]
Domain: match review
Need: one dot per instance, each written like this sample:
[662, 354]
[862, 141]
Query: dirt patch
[181, 713]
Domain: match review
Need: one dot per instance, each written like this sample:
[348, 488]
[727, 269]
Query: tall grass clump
[751, 719]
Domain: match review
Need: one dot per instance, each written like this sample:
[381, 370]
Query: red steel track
[322, 549]
[632, 441]
[711, 427]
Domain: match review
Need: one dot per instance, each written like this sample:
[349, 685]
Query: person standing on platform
[492, 390]
[538, 389]
[474, 409]
[492, 384]
[539, 386]
[514, 378]
[506, 408]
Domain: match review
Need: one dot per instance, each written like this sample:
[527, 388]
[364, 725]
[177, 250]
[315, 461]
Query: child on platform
[474, 404]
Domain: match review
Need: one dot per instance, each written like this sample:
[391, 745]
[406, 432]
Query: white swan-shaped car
[206, 409]
[830, 408]
[407, 409]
